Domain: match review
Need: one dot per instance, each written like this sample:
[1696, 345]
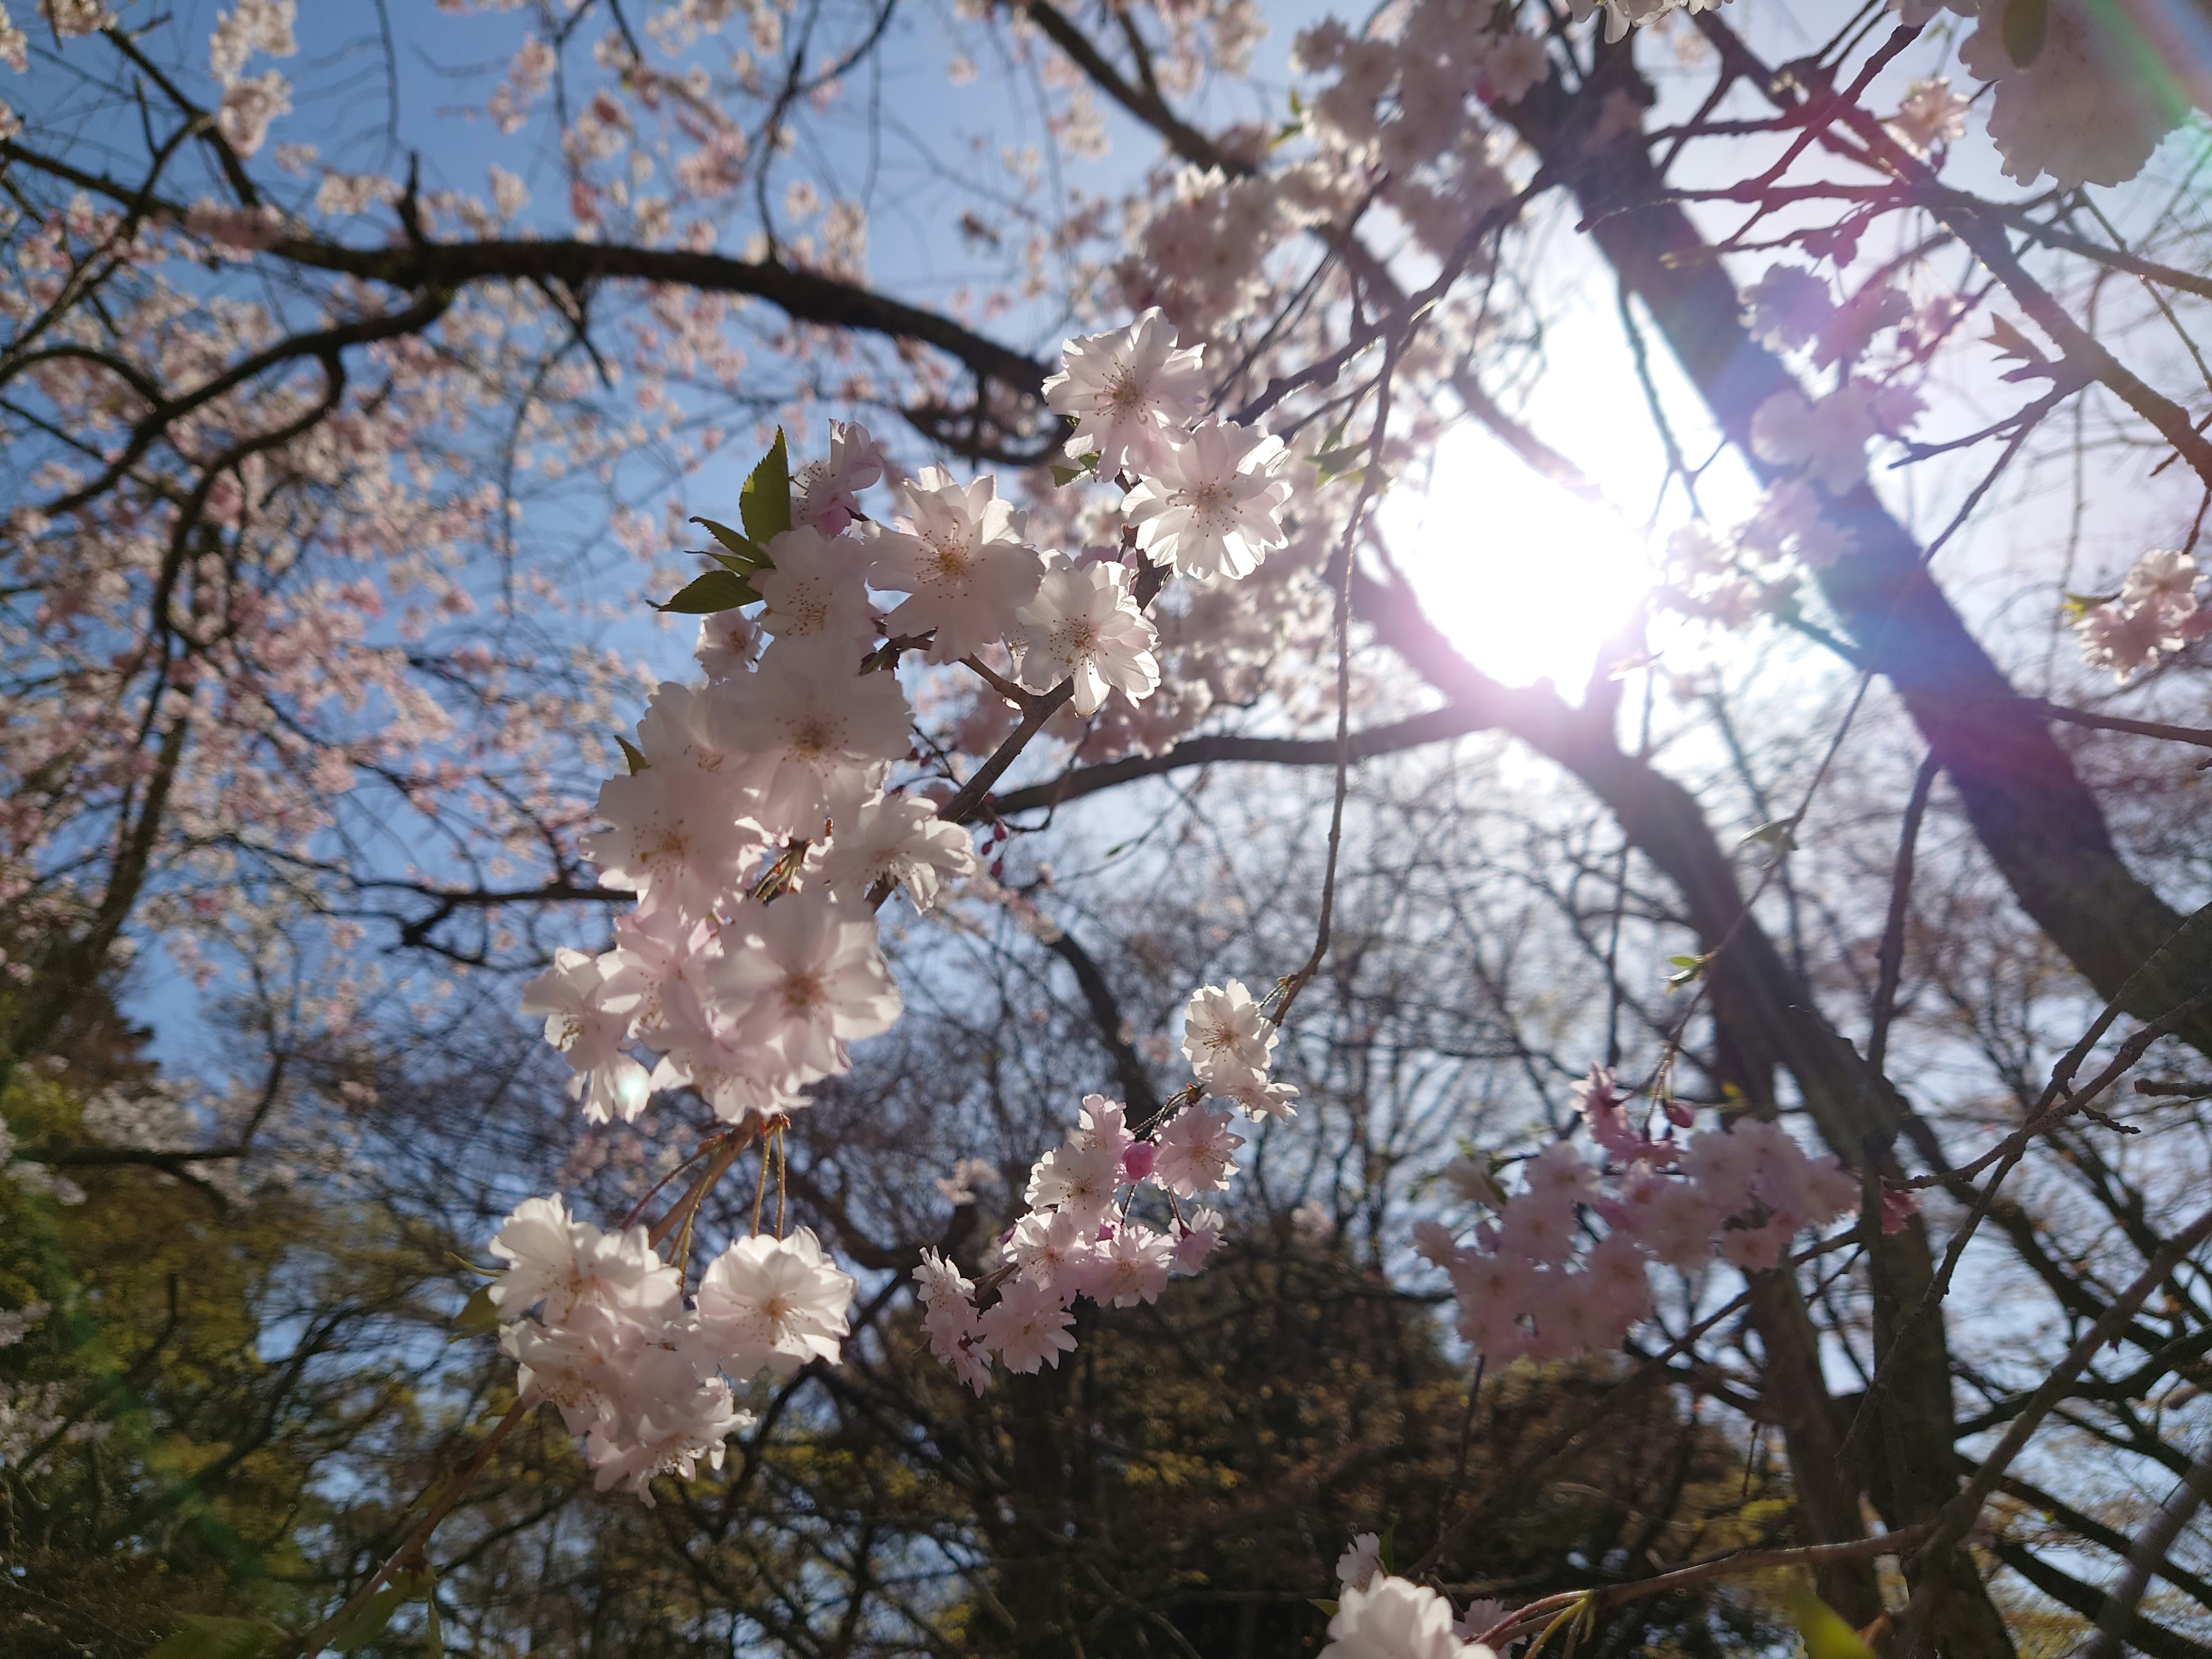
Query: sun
[1526, 579]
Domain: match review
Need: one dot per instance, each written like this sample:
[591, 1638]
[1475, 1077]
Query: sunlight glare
[1525, 578]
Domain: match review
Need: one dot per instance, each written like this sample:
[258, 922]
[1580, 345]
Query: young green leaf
[718, 590]
[743, 555]
[1827, 1634]
[478, 1314]
[633, 757]
[764, 503]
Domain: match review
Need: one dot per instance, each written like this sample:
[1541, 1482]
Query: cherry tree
[302, 634]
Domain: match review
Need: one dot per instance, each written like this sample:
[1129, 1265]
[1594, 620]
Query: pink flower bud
[1137, 1162]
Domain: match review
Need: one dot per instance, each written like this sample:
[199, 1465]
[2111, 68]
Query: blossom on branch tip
[1212, 505]
[1128, 390]
[773, 1303]
[1225, 1033]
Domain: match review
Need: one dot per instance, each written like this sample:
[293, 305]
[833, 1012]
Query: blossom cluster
[1539, 1280]
[755, 827]
[634, 1365]
[1079, 1238]
[759, 829]
[2154, 613]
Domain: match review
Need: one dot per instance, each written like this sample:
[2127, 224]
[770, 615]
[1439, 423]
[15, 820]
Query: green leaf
[1688, 971]
[479, 1313]
[631, 755]
[2026, 22]
[764, 504]
[2075, 606]
[742, 555]
[1827, 1634]
[1334, 462]
[718, 590]
[1328, 1608]
[1084, 467]
[203, 1636]
[433, 1629]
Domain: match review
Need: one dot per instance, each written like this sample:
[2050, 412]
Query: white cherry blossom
[1128, 390]
[1084, 625]
[807, 976]
[958, 553]
[773, 1303]
[899, 839]
[589, 1021]
[1212, 505]
[1226, 1034]
[817, 590]
[1395, 1619]
[816, 733]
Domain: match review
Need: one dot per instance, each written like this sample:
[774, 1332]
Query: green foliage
[718, 590]
[235, 1379]
[764, 504]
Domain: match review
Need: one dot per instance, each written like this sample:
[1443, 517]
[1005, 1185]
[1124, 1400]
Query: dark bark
[2040, 824]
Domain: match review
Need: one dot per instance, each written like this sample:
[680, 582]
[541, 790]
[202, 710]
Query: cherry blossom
[898, 839]
[588, 1026]
[1130, 1268]
[773, 1303]
[816, 733]
[1198, 1152]
[1027, 1327]
[1129, 390]
[809, 977]
[1931, 117]
[1395, 1619]
[957, 551]
[826, 492]
[1361, 1559]
[815, 588]
[1226, 1034]
[1084, 625]
[1212, 505]
[559, 1261]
